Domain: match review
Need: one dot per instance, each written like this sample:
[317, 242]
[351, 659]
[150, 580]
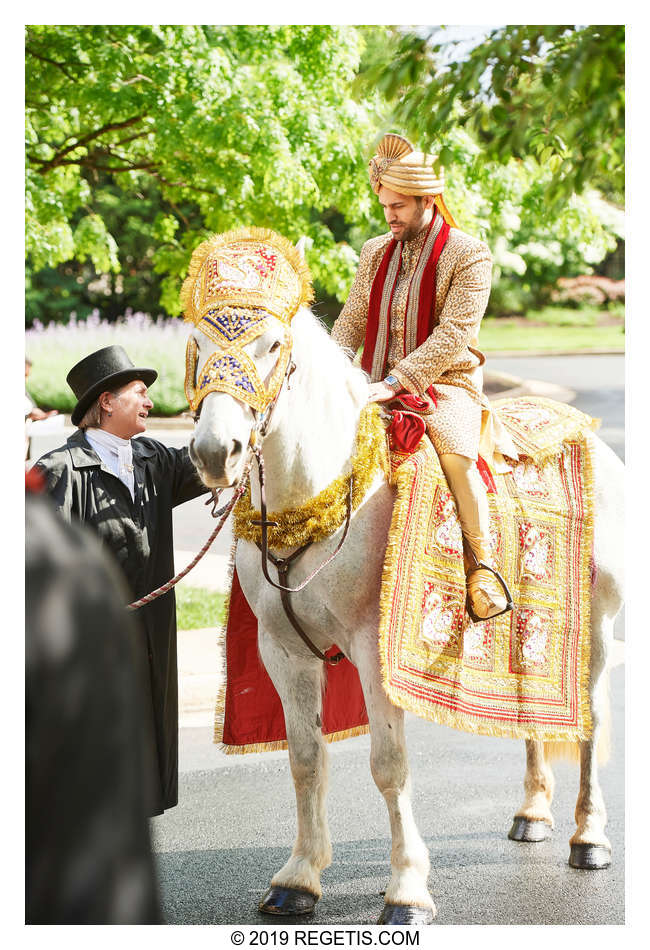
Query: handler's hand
[380, 392]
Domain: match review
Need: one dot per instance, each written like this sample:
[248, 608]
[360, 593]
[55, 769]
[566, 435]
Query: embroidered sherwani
[449, 359]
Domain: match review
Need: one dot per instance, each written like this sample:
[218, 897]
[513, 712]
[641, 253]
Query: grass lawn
[197, 607]
[554, 328]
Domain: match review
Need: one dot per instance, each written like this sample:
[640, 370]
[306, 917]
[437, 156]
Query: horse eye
[276, 346]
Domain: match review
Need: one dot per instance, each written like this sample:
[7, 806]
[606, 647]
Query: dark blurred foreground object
[88, 851]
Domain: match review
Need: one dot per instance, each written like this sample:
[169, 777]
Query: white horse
[309, 442]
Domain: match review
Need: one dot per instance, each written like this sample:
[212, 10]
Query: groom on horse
[416, 303]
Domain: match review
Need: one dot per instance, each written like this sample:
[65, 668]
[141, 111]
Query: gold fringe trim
[573, 434]
[281, 745]
[569, 425]
[322, 515]
[587, 550]
[220, 705]
[265, 235]
[473, 723]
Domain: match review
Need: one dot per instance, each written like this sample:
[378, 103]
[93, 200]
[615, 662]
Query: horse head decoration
[243, 289]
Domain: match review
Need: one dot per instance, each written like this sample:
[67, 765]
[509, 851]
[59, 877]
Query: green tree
[553, 92]
[143, 139]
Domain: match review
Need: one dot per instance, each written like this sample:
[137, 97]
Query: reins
[224, 512]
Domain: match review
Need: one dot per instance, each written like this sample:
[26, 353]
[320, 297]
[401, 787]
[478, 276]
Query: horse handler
[416, 303]
[125, 489]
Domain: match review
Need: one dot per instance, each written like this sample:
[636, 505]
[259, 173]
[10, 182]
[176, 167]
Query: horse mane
[326, 370]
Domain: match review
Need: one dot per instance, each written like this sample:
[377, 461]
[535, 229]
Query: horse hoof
[287, 902]
[525, 830]
[404, 915]
[590, 857]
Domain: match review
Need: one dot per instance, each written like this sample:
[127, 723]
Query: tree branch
[53, 62]
[183, 184]
[79, 143]
[179, 213]
[131, 138]
[131, 167]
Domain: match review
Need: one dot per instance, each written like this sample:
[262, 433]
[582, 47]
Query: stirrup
[481, 565]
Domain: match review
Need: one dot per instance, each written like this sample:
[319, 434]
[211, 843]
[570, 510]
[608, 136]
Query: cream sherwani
[449, 358]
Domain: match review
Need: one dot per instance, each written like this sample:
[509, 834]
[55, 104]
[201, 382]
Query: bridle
[283, 564]
[258, 432]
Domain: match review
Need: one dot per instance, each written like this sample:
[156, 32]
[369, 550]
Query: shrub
[588, 288]
[160, 343]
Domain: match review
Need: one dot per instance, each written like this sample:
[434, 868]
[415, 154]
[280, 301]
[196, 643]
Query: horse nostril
[236, 449]
[194, 459]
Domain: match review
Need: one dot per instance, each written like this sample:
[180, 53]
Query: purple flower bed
[158, 342]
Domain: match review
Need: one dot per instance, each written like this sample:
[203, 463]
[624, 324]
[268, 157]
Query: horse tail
[571, 750]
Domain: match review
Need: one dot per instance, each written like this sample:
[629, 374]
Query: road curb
[515, 388]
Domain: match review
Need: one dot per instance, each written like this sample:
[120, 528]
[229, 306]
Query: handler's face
[404, 215]
[130, 406]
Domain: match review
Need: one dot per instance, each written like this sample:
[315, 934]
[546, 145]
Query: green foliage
[161, 344]
[532, 243]
[141, 140]
[553, 92]
[198, 608]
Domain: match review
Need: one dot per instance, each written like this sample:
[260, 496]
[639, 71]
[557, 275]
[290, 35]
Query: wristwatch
[393, 382]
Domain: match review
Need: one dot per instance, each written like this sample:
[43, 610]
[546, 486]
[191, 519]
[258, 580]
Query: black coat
[139, 535]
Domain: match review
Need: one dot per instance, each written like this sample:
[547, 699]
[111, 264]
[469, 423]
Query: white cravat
[116, 453]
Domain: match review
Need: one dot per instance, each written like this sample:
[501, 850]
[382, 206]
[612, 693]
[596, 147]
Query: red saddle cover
[253, 711]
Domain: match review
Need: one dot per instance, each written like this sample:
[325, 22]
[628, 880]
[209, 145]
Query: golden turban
[397, 166]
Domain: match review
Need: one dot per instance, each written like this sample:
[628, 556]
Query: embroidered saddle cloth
[524, 674]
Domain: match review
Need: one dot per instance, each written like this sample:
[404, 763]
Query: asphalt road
[598, 381]
[234, 826]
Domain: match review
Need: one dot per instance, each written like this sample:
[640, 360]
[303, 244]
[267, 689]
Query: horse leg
[533, 821]
[296, 887]
[407, 898]
[590, 847]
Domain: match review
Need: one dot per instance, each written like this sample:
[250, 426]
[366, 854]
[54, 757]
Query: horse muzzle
[219, 464]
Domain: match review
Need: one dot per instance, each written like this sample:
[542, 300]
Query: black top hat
[103, 371]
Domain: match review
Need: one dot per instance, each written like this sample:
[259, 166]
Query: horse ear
[300, 246]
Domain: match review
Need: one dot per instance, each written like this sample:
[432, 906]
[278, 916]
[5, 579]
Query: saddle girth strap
[282, 564]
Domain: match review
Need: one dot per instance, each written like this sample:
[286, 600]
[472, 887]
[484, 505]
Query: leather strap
[284, 563]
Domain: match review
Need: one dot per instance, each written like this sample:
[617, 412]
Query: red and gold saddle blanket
[522, 675]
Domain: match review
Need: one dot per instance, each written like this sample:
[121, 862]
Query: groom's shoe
[487, 593]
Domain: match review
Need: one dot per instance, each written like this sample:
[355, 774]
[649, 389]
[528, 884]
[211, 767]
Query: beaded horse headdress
[236, 283]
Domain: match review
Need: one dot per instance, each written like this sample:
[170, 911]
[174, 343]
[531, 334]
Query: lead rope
[225, 511]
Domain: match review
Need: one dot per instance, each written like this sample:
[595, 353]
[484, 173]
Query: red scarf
[422, 289]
